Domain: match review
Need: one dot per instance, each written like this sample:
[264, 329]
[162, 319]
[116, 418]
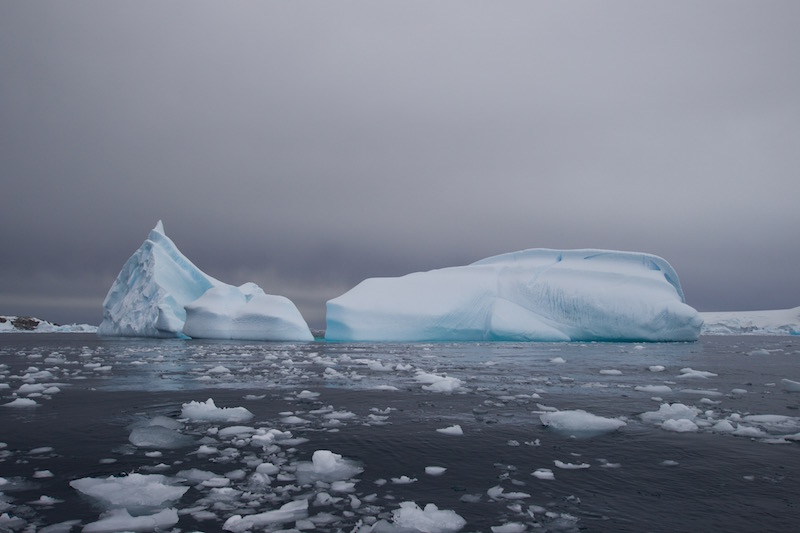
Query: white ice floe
[451, 430]
[437, 383]
[543, 473]
[654, 389]
[430, 519]
[570, 466]
[435, 470]
[580, 423]
[536, 294]
[790, 386]
[21, 403]
[328, 467]
[510, 527]
[288, 512]
[208, 412]
[692, 373]
[135, 492]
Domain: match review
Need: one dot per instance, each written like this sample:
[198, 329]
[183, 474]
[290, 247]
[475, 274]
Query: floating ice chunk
[427, 520]
[307, 395]
[288, 512]
[571, 466]
[436, 383]
[752, 432]
[452, 430]
[611, 372]
[159, 437]
[328, 467]
[558, 360]
[403, 480]
[673, 411]
[692, 373]
[235, 431]
[723, 426]
[497, 493]
[339, 415]
[679, 425]
[218, 370]
[135, 492]
[543, 473]
[121, 520]
[580, 423]
[790, 386]
[208, 412]
[654, 389]
[510, 527]
[759, 352]
[194, 475]
[21, 403]
[435, 470]
[656, 368]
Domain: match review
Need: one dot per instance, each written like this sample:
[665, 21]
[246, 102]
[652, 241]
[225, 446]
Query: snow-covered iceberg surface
[773, 322]
[161, 293]
[537, 294]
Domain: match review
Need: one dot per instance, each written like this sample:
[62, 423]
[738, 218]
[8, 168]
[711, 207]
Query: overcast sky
[309, 145]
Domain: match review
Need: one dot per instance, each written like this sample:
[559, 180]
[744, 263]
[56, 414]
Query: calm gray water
[380, 405]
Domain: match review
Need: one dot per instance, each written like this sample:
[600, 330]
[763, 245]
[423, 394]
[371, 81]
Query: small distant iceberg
[772, 322]
[161, 293]
[530, 295]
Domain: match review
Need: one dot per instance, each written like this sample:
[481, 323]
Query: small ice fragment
[759, 352]
[42, 474]
[669, 462]
[435, 470]
[21, 403]
[692, 373]
[609, 372]
[430, 519]
[679, 425]
[218, 370]
[580, 423]
[543, 473]
[790, 386]
[656, 368]
[653, 389]
[570, 466]
[510, 527]
[208, 412]
[288, 512]
[451, 430]
[403, 480]
[557, 360]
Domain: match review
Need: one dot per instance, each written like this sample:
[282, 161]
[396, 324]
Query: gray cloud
[310, 145]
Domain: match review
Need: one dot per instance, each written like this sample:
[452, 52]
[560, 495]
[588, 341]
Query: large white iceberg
[161, 293]
[537, 294]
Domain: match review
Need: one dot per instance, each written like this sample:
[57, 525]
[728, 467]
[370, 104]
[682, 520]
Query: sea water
[316, 436]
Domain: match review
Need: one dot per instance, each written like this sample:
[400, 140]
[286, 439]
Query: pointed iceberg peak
[160, 292]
